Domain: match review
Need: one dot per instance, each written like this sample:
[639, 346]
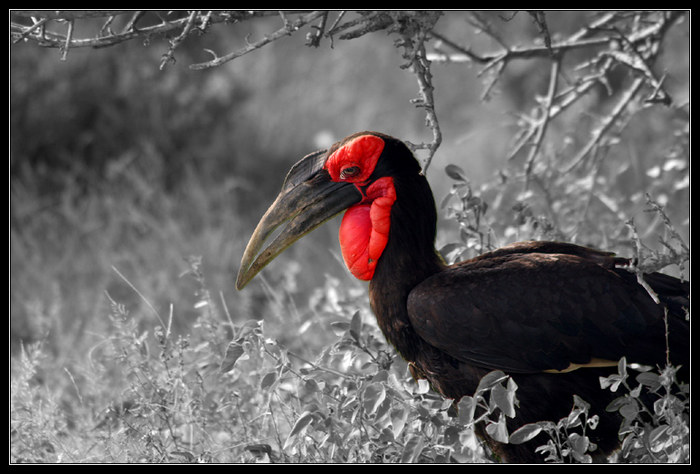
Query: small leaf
[578, 443]
[412, 449]
[593, 421]
[525, 433]
[581, 403]
[613, 382]
[356, 326]
[383, 408]
[340, 327]
[423, 387]
[373, 396]
[398, 420]
[616, 404]
[465, 409]
[504, 400]
[233, 352]
[455, 172]
[657, 436]
[629, 410]
[649, 379]
[498, 430]
[304, 420]
[268, 380]
[490, 379]
[447, 249]
[622, 368]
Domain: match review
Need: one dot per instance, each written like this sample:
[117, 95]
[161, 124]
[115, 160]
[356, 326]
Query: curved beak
[306, 205]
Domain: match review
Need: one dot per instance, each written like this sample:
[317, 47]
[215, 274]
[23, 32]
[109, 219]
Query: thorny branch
[541, 126]
[286, 30]
[414, 53]
[611, 46]
[630, 39]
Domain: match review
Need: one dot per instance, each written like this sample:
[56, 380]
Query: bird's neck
[408, 259]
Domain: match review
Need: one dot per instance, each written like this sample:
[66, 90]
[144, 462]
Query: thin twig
[607, 123]
[540, 20]
[576, 41]
[315, 38]
[148, 303]
[169, 55]
[465, 51]
[415, 52]
[55, 40]
[131, 24]
[332, 30]
[544, 121]
[30, 30]
[286, 30]
[635, 267]
[69, 35]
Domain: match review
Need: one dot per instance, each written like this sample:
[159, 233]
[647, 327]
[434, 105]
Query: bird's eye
[349, 172]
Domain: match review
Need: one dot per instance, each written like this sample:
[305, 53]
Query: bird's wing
[533, 311]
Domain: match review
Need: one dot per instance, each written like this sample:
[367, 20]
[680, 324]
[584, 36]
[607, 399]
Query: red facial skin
[364, 231]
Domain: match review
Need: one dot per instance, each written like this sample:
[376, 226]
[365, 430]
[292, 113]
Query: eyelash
[349, 172]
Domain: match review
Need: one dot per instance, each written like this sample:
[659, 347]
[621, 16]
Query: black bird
[554, 316]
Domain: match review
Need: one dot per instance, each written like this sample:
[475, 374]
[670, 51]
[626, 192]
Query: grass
[228, 392]
[224, 392]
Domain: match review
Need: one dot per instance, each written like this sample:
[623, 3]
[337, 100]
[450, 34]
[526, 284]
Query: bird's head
[356, 174]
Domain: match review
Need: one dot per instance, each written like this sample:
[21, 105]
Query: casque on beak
[308, 199]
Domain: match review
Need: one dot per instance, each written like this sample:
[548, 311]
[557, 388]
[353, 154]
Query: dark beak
[306, 205]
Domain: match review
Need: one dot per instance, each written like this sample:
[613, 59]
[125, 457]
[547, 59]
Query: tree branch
[286, 30]
[169, 56]
[607, 123]
[544, 121]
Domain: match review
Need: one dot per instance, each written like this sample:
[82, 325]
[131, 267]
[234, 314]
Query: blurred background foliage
[122, 175]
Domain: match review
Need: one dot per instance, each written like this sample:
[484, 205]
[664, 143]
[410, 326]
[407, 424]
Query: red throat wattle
[364, 231]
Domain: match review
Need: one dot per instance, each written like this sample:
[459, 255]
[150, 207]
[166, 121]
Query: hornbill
[554, 316]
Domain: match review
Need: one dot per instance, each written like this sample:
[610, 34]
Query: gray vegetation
[145, 145]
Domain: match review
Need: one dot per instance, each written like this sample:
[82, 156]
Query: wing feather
[529, 311]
